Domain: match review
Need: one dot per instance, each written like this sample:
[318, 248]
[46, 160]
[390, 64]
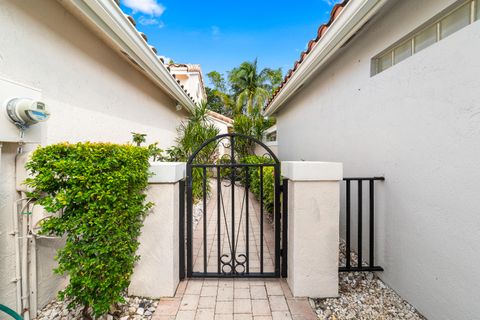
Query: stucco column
[313, 227]
[156, 273]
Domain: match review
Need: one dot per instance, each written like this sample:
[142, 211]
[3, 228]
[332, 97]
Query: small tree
[139, 138]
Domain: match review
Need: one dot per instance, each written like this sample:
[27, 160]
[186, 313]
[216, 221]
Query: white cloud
[331, 2]
[146, 21]
[151, 7]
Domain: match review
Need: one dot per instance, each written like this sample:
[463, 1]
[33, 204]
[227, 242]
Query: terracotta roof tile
[132, 20]
[153, 49]
[144, 36]
[336, 10]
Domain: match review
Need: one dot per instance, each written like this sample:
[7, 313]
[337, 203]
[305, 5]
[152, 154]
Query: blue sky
[220, 34]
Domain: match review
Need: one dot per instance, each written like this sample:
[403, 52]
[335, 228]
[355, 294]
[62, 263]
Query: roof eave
[351, 19]
[109, 19]
[228, 124]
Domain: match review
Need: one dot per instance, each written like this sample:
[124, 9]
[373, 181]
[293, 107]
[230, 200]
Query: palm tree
[252, 88]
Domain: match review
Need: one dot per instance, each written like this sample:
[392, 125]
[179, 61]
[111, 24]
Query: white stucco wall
[273, 146]
[222, 129]
[93, 94]
[418, 124]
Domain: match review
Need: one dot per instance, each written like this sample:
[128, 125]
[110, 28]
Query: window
[425, 38]
[385, 62]
[402, 52]
[477, 6]
[271, 137]
[447, 23]
[455, 21]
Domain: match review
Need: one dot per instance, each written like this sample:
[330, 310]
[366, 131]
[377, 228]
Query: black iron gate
[228, 234]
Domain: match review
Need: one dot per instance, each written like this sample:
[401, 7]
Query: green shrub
[253, 126]
[191, 135]
[98, 191]
[268, 180]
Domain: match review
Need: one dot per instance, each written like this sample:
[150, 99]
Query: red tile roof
[311, 44]
[144, 36]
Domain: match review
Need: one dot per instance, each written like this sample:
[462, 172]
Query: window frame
[435, 21]
[476, 10]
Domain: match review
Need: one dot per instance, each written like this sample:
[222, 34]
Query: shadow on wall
[84, 58]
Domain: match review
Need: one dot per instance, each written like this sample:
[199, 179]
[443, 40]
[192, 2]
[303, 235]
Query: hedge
[268, 180]
[97, 191]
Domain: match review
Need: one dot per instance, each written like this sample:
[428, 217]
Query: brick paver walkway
[233, 299]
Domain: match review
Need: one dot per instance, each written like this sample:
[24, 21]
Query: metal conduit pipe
[25, 284]
[21, 256]
[18, 276]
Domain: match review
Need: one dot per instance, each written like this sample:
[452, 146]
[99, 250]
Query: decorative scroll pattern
[237, 265]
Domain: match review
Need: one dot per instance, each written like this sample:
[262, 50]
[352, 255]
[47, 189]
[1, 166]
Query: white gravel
[363, 296]
[134, 308]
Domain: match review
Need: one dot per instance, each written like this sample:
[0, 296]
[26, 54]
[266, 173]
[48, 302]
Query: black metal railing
[361, 265]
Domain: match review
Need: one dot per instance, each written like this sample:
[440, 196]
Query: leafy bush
[252, 125]
[268, 180]
[191, 135]
[98, 190]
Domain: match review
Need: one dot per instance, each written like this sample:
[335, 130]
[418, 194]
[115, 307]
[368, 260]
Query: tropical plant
[191, 135]
[138, 138]
[245, 91]
[194, 132]
[217, 80]
[156, 153]
[253, 126]
[215, 102]
[218, 98]
[251, 87]
[96, 193]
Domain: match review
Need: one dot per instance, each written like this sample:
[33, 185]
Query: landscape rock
[134, 308]
[363, 296]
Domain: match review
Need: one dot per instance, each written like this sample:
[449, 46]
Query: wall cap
[312, 170]
[167, 172]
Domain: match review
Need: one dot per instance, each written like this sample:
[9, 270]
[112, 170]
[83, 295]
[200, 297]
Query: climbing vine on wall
[97, 194]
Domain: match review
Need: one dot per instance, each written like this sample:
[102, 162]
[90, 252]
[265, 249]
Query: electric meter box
[9, 132]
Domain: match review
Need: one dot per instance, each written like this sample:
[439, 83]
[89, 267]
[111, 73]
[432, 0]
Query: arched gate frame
[237, 247]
